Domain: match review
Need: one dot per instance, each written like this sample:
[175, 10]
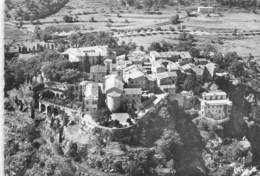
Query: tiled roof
[166, 75]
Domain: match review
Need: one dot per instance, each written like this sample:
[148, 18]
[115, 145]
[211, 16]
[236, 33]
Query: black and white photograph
[131, 88]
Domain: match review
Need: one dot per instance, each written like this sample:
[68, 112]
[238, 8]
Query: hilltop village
[87, 104]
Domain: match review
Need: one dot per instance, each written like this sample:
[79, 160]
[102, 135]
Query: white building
[93, 52]
[215, 104]
[114, 90]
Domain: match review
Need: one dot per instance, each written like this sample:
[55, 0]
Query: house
[97, 73]
[200, 61]
[134, 77]
[215, 104]
[138, 57]
[199, 72]
[147, 67]
[114, 90]
[58, 89]
[173, 67]
[185, 58]
[113, 83]
[158, 68]
[166, 81]
[93, 53]
[170, 55]
[91, 97]
[205, 10]
[132, 96]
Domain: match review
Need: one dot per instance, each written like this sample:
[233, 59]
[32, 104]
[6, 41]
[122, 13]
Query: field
[202, 27]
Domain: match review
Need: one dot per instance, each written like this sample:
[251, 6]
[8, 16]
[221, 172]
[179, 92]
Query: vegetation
[35, 9]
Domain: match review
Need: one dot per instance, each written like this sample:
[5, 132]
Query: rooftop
[166, 75]
[113, 82]
[131, 91]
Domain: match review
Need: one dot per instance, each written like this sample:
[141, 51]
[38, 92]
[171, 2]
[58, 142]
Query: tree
[68, 19]
[99, 60]
[175, 19]
[155, 46]
[92, 19]
[189, 82]
[237, 69]
[37, 33]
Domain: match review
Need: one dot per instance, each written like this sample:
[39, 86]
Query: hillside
[32, 9]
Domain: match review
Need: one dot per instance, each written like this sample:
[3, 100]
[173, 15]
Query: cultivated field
[203, 27]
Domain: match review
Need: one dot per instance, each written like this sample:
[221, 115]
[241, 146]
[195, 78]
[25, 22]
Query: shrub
[110, 20]
[92, 19]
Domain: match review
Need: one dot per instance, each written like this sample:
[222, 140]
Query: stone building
[215, 104]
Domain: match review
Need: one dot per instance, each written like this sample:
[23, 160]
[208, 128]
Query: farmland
[131, 22]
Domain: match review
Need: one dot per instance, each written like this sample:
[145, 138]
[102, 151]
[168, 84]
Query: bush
[158, 28]
[92, 19]
[171, 28]
[110, 20]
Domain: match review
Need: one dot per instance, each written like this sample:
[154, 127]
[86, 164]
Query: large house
[170, 55]
[166, 81]
[93, 53]
[215, 104]
[97, 73]
[134, 77]
[114, 90]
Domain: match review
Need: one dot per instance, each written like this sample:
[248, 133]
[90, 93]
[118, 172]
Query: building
[205, 10]
[166, 81]
[173, 67]
[93, 53]
[215, 104]
[91, 97]
[97, 73]
[132, 96]
[134, 77]
[113, 83]
[58, 89]
[199, 72]
[170, 55]
[158, 68]
[114, 90]
[185, 58]
[200, 61]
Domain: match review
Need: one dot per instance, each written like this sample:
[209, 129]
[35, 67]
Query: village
[105, 105]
